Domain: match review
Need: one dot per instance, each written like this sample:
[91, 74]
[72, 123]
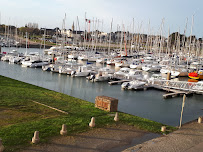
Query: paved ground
[117, 138]
[112, 139]
[187, 139]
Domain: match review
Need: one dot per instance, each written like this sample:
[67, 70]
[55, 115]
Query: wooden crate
[106, 103]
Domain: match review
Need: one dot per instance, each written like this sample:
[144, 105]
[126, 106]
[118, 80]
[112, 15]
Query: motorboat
[73, 55]
[38, 64]
[15, 59]
[136, 64]
[110, 61]
[198, 86]
[122, 72]
[104, 74]
[101, 60]
[134, 74]
[132, 84]
[179, 71]
[122, 63]
[30, 59]
[82, 71]
[155, 77]
[196, 75]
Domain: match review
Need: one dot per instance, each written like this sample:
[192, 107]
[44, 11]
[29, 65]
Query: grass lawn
[20, 117]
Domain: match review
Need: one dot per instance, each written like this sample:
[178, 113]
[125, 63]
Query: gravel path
[187, 139]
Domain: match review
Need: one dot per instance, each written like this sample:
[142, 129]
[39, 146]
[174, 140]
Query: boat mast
[190, 39]
[110, 38]
[168, 50]
[101, 35]
[160, 49]
[125, 40]
[121, 40]
[96, 33]
[92, 35]
[184, 37]
[85, 33]
[147, 43]
[26, 44]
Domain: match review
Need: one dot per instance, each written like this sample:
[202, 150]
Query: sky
[149, 15]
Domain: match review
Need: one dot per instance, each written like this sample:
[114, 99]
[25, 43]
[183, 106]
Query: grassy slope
[21, 117]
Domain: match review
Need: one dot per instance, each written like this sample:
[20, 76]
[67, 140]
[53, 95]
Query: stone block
[106, 103]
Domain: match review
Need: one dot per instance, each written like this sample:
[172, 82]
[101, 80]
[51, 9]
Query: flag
[87, 20]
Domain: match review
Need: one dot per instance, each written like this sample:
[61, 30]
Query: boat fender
[73, 72]
[92, 77]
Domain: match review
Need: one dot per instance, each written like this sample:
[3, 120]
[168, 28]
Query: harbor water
[147, 104]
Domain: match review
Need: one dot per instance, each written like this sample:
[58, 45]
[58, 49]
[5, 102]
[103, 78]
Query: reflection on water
[148, 104]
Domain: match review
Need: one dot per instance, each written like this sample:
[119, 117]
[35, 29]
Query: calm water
[148, 104]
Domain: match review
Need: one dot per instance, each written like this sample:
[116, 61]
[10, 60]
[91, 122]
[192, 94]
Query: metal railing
[180, 85]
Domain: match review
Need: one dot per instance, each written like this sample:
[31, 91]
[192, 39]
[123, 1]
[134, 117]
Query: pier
[176, 93]
[179, 86]
[175, 88]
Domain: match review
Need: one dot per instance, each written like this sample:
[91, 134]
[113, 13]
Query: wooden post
[169, 76]
[181, 116]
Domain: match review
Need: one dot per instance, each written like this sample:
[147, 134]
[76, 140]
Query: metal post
[183, 104]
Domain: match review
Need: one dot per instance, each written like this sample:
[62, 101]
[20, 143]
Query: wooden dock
[172, 92]
[170, 95]
[175, 94]
[118, 82]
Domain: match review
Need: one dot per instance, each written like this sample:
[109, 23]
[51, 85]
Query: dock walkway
[183, 86]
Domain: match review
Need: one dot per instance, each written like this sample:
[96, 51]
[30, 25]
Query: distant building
[50, 32]
[73, 34]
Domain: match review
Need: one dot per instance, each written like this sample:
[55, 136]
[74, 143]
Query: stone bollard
[35, 139]
[163, 128]
[63, 130]
[92, 123]
[116, 117]
[1, 146]
[200, 120]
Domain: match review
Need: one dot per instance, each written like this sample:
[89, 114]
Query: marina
[102, 76]
[148, 104]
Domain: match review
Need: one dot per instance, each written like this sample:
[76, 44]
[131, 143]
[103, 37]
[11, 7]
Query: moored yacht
[132, 84]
